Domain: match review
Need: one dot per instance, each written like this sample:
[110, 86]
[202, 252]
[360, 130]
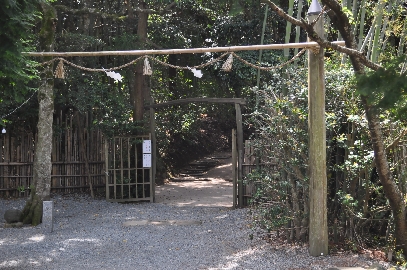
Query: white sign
[146, 160]
[147, 147]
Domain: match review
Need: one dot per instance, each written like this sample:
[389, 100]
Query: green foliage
[281, 136]
[16, 71]
[349, 14]
[21, 188]
[76, 42]
[386, 88]
[400, 257]
[268, 187]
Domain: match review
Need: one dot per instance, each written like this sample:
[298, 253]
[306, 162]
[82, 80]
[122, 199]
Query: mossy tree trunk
[42, 166]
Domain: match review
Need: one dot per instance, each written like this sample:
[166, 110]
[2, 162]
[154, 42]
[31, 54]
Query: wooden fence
[77, 158]
[250, 164]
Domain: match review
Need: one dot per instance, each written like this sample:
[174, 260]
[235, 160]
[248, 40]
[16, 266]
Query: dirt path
[213, 189]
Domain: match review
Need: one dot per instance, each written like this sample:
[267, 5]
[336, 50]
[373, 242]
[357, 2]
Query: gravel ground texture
[89, 234]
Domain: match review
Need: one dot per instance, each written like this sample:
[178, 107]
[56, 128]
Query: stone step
[190, 174]
[187, 179]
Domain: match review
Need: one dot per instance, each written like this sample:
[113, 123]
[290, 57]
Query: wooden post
[234, 166]
[318, 229]
[107, 168]
[240, 153]
[153, 149]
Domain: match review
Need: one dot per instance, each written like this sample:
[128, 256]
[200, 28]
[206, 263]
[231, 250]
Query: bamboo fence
[77, 158]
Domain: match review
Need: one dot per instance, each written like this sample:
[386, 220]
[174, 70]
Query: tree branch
[152, 11]
[396, 141]
[94, 11]
[324, 43]
[158, 47]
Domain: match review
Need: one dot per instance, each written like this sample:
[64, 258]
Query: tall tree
[42, 166]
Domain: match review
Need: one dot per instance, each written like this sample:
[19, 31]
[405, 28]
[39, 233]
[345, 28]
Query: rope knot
[227, 66]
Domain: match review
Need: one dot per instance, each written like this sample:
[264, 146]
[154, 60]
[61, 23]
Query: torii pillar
[318, 228]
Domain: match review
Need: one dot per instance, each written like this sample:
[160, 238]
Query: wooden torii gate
[316, 122]
[237, 183]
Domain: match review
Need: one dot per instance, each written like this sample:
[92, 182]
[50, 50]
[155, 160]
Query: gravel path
[89, 234]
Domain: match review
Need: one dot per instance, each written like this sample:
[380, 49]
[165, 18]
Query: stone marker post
[47, 216]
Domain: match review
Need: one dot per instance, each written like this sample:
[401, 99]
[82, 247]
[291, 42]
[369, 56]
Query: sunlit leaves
[386, 88]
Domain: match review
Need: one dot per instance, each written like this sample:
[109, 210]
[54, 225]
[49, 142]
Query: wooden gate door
[129, 169]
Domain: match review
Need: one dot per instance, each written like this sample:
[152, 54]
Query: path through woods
[212, 188]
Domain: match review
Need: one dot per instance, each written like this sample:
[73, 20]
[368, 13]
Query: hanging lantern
[314, 8]
[227, 66]
[147, 69]
[59, 71]
[3, 131]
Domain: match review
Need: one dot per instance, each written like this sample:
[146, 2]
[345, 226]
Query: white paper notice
[146, 160]
[147, 147]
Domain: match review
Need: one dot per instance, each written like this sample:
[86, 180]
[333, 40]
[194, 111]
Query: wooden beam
[182, 51]
[241, 101]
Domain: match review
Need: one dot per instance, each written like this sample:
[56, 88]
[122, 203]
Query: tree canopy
[17, 19]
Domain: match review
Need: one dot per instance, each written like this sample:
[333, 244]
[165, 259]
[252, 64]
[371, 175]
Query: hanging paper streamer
[227, 66]
[114, 75]
[197, 72]
[59, 71]
[147, 69]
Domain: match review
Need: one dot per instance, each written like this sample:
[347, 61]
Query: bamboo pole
[261, 51]
[298, 29]
[182, 51]
[378, 28]
[388, 16]
[367, 41]
[362, 16]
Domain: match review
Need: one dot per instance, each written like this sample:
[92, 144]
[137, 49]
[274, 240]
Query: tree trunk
[83, 149]
[390, 188]
[141, 85]
[131, 71]
[42, 166]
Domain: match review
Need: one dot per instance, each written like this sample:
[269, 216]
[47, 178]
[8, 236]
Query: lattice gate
[129, 175]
